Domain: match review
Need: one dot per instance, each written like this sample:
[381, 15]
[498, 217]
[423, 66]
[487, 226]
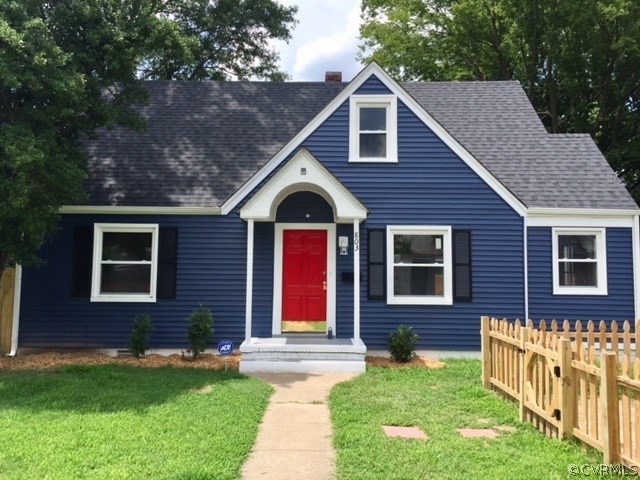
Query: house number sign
[356, 241]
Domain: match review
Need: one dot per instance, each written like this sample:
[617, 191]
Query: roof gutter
[141, 210]
[16, 312]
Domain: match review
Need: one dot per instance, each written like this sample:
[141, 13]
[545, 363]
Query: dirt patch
[419, 362]
[203, 391]
[50, 360]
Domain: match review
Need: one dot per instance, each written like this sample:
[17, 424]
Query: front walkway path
[295, 438]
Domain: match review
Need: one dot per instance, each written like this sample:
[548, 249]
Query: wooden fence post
[486, 351]
[610, 408]
[525, 337]
[567, 390]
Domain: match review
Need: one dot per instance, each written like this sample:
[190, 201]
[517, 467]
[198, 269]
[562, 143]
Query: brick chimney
[333, 77]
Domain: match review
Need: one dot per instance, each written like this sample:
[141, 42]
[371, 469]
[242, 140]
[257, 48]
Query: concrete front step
[303, 355]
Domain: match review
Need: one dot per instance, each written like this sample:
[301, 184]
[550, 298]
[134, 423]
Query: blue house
[303, 211]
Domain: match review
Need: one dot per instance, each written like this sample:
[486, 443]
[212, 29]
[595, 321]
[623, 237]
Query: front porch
[303, 354]
[300, 211]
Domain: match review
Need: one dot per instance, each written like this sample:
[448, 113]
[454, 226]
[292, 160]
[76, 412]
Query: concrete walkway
[295, 438]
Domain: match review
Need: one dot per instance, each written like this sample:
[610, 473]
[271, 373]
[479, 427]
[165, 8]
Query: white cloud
[325, 48]
[326, 38]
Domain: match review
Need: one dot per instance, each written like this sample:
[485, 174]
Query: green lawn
[439, 401]
[119, 422]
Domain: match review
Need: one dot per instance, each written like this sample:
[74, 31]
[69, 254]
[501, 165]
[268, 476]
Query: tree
[68, 68]
[578, 60]
[219, 40]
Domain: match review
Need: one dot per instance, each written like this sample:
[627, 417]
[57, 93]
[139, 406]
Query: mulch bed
[51, 360]
[416, 362]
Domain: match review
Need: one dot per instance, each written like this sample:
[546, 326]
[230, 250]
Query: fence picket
[602, 328]
[590, 335]
[626, 407]
[615, 341]
[610, 414]
[636, 375]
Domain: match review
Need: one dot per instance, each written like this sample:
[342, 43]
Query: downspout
[525, 239]
[16, 312]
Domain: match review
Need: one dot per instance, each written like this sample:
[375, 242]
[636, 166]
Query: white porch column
[356, 279]
[249, 300]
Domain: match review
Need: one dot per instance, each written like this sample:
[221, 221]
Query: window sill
[582, 291]
[373, 160]
[124, 299]
[420, 301]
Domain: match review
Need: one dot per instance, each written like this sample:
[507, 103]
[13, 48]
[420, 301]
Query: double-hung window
[125, 260]
[579, 261]
[419, 265]
[373, 128]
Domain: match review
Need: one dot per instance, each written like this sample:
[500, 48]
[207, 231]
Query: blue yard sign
[225, 347]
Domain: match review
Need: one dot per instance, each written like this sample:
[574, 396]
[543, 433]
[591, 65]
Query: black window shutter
[167, 262]
[82, 260]
[462, 284]
[377, 281]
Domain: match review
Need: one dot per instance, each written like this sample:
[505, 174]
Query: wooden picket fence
[7, 289]
[570, 379]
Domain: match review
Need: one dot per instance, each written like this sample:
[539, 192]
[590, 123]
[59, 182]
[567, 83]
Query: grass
[120, 422]
[439, 402]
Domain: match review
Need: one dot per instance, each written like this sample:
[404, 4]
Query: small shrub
[402, 344]
[139, 338]
[200, 331]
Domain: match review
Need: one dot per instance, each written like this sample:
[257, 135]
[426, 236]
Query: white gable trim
[374, 69]
[303, 173]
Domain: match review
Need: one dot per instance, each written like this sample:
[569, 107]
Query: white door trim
[277, 271]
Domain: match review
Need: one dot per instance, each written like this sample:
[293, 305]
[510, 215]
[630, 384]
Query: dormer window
[373, 128]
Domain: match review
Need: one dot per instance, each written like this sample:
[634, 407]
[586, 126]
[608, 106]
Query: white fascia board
[582, 212]
[374, 69]
[576, 217]
[142, 210]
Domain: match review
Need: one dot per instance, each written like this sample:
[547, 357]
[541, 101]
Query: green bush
[139, 338]
[200, 331]
[402, 344]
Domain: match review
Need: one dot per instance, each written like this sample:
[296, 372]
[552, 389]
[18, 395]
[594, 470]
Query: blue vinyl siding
[617, 305]
[211, 271]
[344, 296]
[304, 207]
[373, 86]
[429, 185]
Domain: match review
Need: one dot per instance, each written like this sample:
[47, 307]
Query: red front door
[304, 276]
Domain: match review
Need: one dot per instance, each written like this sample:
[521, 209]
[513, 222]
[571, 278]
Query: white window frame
[601, 262]
[445, 231]
[99, 230]
[390, 102]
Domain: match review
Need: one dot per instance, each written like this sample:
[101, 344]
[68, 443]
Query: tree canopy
[70, 67]
[578, 60]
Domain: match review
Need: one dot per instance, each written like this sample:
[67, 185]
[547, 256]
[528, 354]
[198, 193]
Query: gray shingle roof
[205, 139]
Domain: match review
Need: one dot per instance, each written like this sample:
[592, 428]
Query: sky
[325, 39]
